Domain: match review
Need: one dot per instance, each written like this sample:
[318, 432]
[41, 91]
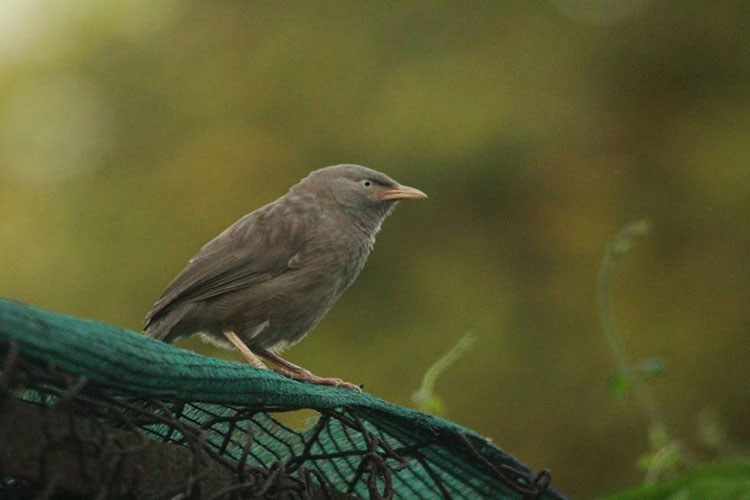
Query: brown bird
[269, 278]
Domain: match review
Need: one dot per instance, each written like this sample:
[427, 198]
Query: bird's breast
[295, 301]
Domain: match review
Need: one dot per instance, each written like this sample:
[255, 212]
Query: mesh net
[90, 409]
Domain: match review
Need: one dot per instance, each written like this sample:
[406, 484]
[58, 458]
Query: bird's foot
[305, 376]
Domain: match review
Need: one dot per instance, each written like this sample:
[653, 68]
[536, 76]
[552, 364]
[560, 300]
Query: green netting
[360, 445]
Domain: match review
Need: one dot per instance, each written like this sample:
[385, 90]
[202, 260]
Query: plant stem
[643, 395]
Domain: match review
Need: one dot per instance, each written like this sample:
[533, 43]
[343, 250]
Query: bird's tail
[165, 327]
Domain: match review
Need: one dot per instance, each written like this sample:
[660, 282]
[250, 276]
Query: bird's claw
[305, 376]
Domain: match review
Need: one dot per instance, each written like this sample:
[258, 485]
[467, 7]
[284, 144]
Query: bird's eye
[367, 183]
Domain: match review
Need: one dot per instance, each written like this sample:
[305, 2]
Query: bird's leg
[249, 355]
[289, 369]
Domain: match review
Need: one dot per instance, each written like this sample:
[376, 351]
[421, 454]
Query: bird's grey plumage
[272, 275]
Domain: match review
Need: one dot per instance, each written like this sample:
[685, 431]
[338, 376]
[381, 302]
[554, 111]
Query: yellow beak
[403, 193]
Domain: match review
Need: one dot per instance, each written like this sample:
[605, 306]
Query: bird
[267, 280]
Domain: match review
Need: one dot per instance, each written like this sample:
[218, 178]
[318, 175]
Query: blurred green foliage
[619, 384]
[668, 455]
[133, 132]
[426, 398]
[730, 481]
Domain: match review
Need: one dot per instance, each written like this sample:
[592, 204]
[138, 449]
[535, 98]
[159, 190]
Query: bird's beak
[403, 193]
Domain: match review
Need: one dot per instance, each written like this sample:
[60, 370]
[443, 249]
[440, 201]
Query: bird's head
[360, 189]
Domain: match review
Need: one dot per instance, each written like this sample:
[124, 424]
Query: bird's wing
[259, 246]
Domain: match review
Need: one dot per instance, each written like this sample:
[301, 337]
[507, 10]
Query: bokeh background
[133, 132]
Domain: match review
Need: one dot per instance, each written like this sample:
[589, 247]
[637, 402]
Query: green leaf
[618, 385]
